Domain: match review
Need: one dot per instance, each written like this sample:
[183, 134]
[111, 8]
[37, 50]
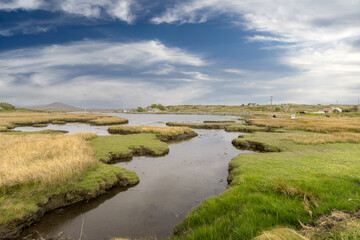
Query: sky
[128, 53]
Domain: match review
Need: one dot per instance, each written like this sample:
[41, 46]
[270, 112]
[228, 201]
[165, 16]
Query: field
[297, 177]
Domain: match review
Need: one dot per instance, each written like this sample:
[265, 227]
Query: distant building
[153, 110]
[332, 110]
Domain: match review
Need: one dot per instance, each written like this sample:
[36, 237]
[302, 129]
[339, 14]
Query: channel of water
[169, 187]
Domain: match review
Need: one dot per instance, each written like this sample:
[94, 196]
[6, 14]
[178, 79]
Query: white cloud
[109, 72]
[120, 9]
[316, 38]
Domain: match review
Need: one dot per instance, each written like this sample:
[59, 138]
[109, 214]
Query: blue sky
[127, 53]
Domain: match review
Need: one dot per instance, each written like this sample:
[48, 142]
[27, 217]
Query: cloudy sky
[126, 53]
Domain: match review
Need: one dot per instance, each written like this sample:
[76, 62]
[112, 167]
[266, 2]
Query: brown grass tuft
[283, 187]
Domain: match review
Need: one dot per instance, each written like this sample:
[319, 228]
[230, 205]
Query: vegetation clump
[40, 125]
[111, 149]
[58, 122]
[7, 106]
[109, 121]
[158, 106]
[163, 133]
[200, 125]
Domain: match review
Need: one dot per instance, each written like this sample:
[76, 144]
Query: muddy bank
[12, 229]
[254, 146]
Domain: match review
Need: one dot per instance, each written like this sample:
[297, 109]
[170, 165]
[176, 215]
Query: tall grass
[47, 159]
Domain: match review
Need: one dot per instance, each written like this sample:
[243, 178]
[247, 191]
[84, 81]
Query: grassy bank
[163, 133]
[41, 172]
[9, 120]
[117, 148]
[277, 191]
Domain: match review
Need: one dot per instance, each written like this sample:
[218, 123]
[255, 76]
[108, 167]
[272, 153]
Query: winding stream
[169, 187]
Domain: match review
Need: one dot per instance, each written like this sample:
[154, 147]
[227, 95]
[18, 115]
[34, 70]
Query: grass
[10, 120]
[35, 167]
[278, 189]
[109, 120]
[214, 125]
[246, 128]
[321, 138]
[312, 123]
[163, 131]
[46, 159]
[280, 234]
[27, 199]
[123, 146]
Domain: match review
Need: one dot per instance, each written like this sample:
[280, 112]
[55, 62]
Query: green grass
[24, 201]
[124, 144]
[328, 174]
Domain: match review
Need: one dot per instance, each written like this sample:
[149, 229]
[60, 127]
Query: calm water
[169, 188]
[134, 119]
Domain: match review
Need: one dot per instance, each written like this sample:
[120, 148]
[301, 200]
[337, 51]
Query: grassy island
[289, 187]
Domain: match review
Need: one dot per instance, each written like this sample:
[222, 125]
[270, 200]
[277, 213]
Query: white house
[153, 110]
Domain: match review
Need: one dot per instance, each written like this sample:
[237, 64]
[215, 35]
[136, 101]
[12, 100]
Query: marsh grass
[44, 158]
[273, 189]
[321, 138]
[312, 123]
[109, 120]
[163, 131]
[10, 120]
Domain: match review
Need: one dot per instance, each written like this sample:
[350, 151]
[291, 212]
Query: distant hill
[55, 105]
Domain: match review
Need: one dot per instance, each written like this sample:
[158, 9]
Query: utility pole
[271, 105]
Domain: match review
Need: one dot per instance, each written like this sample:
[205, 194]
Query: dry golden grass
[164, 131]
[47, 159]
[11, 119]
[313, 123]
[109, 120]
[319, 138]
[281, 233]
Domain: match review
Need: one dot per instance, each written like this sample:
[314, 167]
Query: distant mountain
[55, 105]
